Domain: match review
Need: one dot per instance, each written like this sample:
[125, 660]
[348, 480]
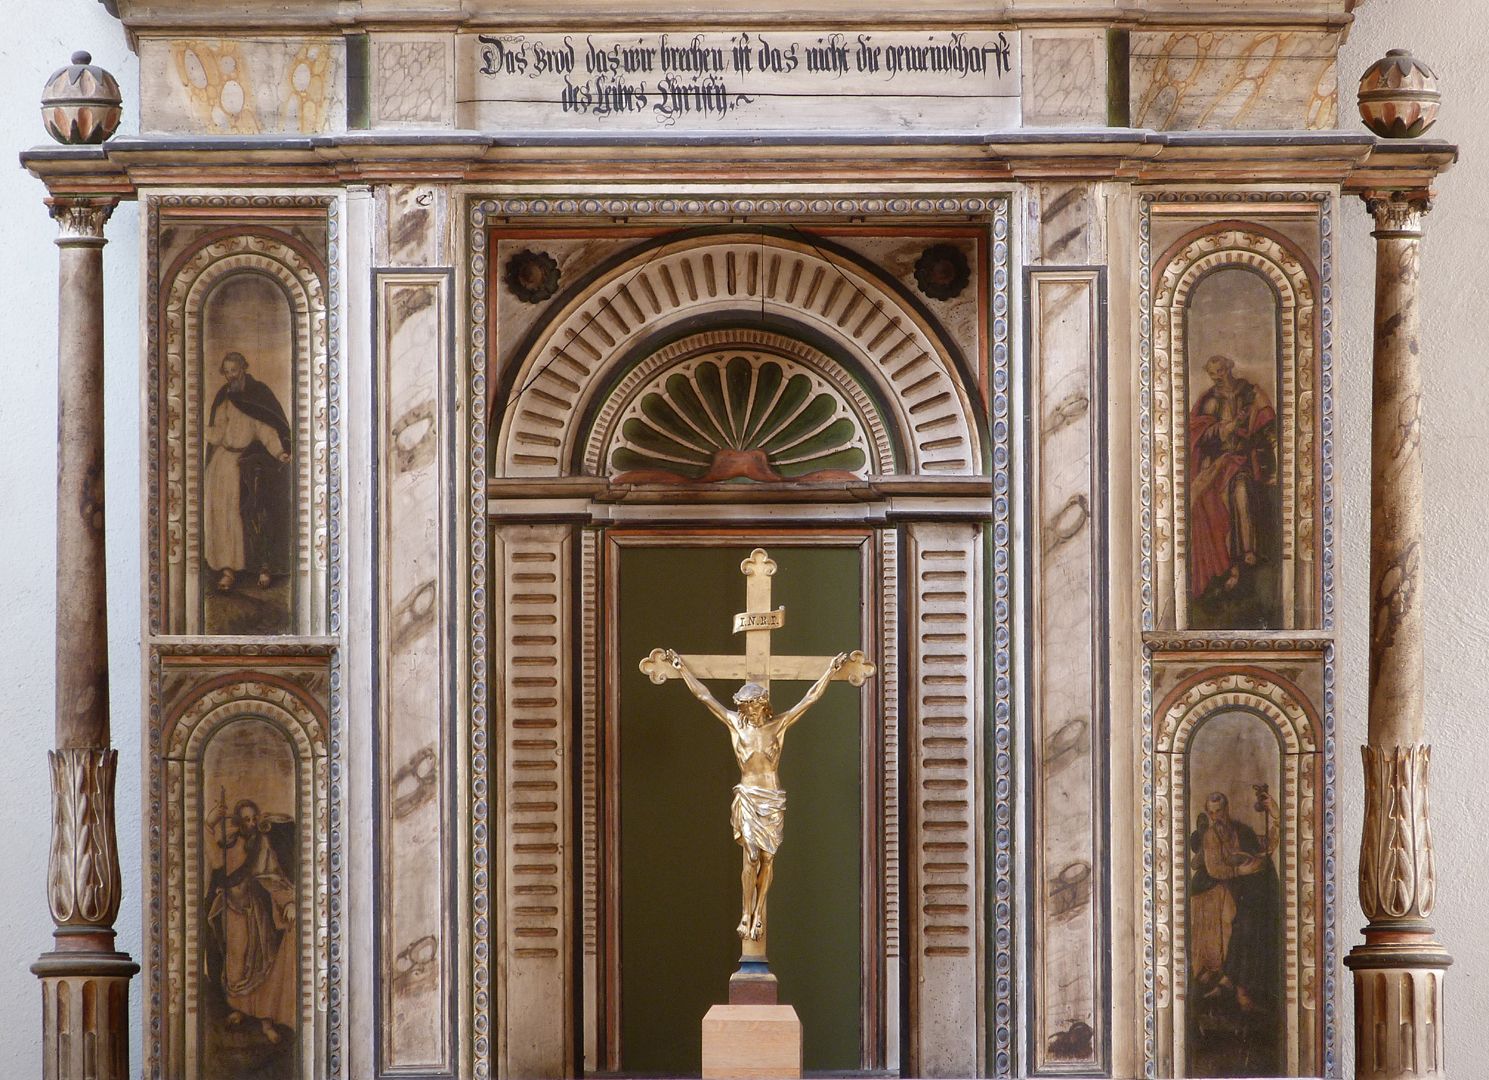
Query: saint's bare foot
[226, 582]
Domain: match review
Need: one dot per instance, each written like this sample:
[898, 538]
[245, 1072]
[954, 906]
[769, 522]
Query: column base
[1398, 975]
[85, 1014]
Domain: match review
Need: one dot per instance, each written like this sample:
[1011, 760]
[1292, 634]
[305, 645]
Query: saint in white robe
[232, 433]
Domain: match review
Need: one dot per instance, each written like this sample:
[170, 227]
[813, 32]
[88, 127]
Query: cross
[757, 665]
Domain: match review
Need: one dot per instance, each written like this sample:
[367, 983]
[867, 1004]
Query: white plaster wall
[38, 36]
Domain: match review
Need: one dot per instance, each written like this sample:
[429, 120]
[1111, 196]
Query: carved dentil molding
[83, 883]
[80, 221]
[1398, 878]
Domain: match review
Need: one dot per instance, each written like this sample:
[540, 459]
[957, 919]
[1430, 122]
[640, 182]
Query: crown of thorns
[751, 692]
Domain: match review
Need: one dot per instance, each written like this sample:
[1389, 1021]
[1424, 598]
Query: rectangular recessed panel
[416, 878]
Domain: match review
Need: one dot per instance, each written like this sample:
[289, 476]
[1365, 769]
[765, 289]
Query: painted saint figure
[1235, 936]
[758, 812]
[1232, 460]
[246, 485]
[251, 913]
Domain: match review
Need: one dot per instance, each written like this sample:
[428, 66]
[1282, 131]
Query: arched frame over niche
[1267, 253]
[1273, 701]
[180, 876]
[714, 279]
[186, 288]
[528, 1014]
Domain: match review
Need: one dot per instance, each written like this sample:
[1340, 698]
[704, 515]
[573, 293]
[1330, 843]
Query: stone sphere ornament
[1399, 96]
[80, 104]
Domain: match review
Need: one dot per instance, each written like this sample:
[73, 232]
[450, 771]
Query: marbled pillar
[85, 982]
[1398, 970]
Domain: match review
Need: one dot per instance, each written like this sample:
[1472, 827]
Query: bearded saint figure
[758, 813]
[1235, 905]
[251, 910]
[1232, 457]
[246, 485]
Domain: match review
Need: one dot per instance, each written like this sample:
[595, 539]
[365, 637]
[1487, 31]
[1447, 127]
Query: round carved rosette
[81, 104]
[942, 272]
[1399, 96]
[532, 276]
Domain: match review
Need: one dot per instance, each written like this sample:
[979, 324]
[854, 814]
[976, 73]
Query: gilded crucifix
[756, 730]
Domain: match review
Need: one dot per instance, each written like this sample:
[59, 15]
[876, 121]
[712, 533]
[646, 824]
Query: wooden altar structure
[1021, 310]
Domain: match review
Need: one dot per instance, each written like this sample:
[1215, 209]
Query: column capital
[1398, 212]
[80, 220]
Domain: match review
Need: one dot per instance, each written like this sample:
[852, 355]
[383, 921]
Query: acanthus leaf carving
[1398, 877]
[83, 882]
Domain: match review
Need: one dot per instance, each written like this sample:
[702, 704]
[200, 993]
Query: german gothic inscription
[746, 80]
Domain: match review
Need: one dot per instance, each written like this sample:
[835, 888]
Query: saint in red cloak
[1232, 458]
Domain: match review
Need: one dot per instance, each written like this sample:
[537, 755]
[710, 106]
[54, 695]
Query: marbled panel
[412, 80]
[415, 219]
[1067, 690]
[1223, 80]
[1066, 225]
[942, 718]
[416, 886]
[242, 86]
[1065, 78]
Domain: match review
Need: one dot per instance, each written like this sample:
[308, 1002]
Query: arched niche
[1238, 880]
[637, 336]
[1242, 289]
[258, 291]
[256, 746]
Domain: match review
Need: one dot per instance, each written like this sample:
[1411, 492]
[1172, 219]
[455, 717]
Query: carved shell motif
[742, 419]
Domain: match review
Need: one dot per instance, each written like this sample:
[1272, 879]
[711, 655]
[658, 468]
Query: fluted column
[85, 981]
[1398, 971]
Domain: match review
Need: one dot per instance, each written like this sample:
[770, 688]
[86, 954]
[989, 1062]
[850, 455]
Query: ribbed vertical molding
[1398, 970]
[85, 982]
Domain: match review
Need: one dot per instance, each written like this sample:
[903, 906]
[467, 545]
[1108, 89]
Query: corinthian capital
[1398, 213]
[83, 871]
[80, 220]
[1398, 878]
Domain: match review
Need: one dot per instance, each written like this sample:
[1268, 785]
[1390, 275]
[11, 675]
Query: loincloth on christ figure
[758, 816]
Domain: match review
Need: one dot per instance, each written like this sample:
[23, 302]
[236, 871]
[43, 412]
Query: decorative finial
[80, 104]
[1399, 96]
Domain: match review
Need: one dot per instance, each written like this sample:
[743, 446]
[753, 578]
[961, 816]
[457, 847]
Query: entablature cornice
[339, 16]
[1357, 161]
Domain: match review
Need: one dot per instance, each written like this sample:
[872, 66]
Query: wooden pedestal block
[751, 1042]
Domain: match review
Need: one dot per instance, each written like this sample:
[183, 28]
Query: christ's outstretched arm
[699, 690]
[811, 697]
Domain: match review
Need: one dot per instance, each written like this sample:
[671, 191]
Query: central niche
[738, 406]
